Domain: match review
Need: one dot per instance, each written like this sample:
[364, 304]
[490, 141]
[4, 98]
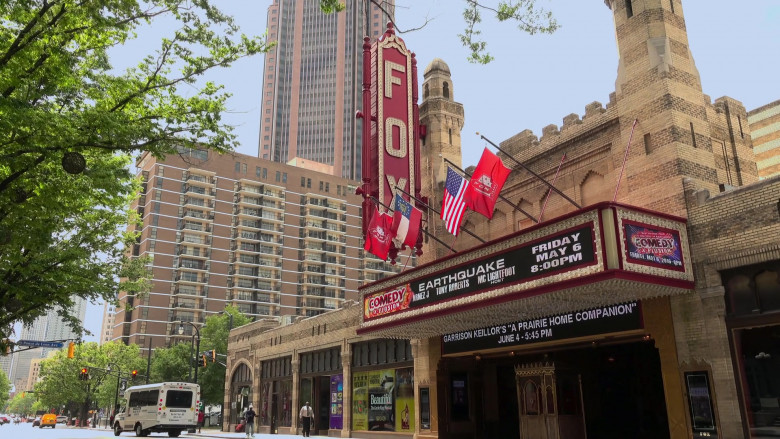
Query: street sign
[40, 344]
[123, 384]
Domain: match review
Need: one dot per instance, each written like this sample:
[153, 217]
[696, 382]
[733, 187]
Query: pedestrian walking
[306, 416]
[201, 417]
[249, 417]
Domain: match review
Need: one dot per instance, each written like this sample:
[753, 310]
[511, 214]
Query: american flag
[453, 206]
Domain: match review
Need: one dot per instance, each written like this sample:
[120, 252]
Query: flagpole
[427, 233]
[516, 206]
[439, 213]
[547, 198]
[531, 172]
[411, 251]
[625, 158]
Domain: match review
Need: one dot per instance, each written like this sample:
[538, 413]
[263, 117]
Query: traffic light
[71, 349]
[133, 374]
[203, 358]
[213, 355]
[84, 374]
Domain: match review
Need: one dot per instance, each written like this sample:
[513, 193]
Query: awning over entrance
[597, 257]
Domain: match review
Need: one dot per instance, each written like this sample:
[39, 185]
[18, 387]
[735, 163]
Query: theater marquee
[593, 259]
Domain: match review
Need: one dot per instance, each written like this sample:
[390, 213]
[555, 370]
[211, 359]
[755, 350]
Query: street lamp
[118, 374]
[197, 346]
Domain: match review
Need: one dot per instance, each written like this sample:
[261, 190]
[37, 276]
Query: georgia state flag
[406, 222]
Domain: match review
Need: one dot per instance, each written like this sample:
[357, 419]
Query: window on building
[284, 177]
[308, 183]
[303, 181]
[322, 186]
[629, 9]
[446, 90]
[238, 166]
[278, 176]
[243, 168]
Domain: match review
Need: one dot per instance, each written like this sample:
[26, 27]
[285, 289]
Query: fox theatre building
[552, 332]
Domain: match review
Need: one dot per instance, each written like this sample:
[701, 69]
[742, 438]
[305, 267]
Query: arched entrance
[240, 392]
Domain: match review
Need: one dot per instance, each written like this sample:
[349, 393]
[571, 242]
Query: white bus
[159, 408]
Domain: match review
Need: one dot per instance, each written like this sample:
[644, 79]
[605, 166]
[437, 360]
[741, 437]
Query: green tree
[170, 364]
[69, 122]
[22, 404]
[215, 337]
[60, 384]
[528, 16]
[5, 388]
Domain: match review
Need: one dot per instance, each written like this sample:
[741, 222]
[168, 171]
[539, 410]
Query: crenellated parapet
[525, 146]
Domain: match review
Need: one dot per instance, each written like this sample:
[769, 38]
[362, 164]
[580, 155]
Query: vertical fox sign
[391, 151]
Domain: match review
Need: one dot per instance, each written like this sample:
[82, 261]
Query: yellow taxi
[48, 420]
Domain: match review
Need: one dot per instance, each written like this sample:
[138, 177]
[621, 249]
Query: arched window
[741, 297]
[446, 90]
[768, 289]
[426, 91]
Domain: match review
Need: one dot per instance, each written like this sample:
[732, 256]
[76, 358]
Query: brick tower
[659, 86]
[443, 119]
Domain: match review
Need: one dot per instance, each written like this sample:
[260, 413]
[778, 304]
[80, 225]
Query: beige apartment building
[276, 241]
[764, 124]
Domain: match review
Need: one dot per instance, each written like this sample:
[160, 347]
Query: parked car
[4, 419]
[48, 420]
[62, 419]
[36, 421]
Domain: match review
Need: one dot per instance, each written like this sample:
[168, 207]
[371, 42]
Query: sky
[535, 80]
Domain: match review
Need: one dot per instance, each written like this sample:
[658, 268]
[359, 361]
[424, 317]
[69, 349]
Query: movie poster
[336, 402]
[381, 416]
[360, 401]
[404, 400]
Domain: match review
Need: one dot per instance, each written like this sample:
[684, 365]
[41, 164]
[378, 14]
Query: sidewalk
[214, 433]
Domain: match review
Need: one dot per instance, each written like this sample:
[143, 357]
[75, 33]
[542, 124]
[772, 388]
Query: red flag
[486, 184]
[378, 235]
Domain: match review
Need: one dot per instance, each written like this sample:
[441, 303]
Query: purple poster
[336, 402]
[653, 246]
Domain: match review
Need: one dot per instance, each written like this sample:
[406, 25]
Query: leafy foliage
[525, 13]
[22, 404]
[215, 336]
[5, 388]
[69, 122]
[170, 364]
[60, 384]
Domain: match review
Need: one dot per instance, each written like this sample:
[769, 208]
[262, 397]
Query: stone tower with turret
[678, 133]
[443, 121]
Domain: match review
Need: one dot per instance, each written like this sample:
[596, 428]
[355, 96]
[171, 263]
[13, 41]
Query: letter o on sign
[390, 123]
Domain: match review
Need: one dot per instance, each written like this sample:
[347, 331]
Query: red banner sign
[391, 153]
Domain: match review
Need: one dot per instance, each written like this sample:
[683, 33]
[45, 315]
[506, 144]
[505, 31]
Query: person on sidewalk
[249, 417]
[306, 416]
[201, 417]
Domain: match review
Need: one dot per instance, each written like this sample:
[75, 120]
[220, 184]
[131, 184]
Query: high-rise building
[764, 124]
[312, 82]
[106, 329]
[277, 241]
[49, 327]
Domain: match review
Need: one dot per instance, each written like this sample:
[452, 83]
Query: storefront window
[460, 397]
[383, 400]
[285, 394]
[265, 404]
[760, 371]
